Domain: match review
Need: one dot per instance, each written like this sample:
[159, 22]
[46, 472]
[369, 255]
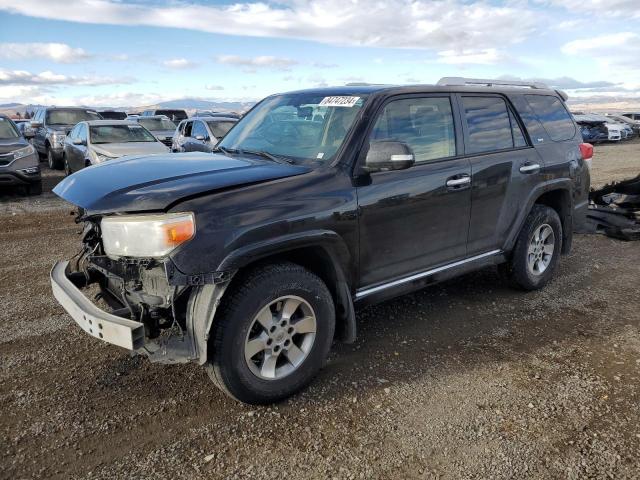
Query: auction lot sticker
[338, 101]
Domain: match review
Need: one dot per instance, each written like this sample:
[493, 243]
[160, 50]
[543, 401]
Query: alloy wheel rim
[280, 337]
[541, 248]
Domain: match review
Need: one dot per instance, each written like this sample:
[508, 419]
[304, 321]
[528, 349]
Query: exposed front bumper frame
[112, 329]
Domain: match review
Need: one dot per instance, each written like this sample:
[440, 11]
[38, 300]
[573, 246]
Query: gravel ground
[467, 379]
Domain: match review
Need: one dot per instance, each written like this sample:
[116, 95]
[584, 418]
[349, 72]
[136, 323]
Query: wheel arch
[323, 253]
[555, 194]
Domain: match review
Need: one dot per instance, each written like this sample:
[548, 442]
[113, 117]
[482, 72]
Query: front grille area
[6, 159]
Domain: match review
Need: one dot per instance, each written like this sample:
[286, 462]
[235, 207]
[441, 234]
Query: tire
[34, 188]
[521, 271]
[237, 325]
[67, 169]
[53, 163]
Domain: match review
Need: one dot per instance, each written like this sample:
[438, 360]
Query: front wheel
[51, 160]
[272, 335]
[537, 251]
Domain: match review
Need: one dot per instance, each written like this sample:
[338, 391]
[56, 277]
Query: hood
[155, 182]
[129, 148]
[162, 134]
[61, 128]
[10, 144]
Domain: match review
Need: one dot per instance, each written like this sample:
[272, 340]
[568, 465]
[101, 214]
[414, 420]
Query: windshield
[220, 129]
[119, 134]
[70, 117]
[7, 130]
[156, 123]
[303, 126]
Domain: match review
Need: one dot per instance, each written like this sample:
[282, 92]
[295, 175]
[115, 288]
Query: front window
[157, 124]
[302, 126]
[220, 129]
[70, 117]
[7, 130]
[119, 134]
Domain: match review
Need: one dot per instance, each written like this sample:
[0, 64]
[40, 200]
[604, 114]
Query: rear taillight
[586, 150]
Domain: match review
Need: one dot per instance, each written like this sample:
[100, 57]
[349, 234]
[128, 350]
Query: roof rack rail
[461, 81]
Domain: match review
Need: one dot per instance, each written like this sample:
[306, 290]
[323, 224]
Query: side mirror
[78, 141]
[28, 132]
[388, 155]
[35, 124]
[200, 138]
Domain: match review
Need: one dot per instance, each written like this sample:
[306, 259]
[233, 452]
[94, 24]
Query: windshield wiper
[259, 153]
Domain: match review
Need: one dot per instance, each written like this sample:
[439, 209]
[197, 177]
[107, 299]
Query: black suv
[50, 127]
[251, 261]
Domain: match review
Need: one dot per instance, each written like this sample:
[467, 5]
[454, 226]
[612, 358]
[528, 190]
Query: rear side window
[488, 124]
[553, 115]
[424, 124]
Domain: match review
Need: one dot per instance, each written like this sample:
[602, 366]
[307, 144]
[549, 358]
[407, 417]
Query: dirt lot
[467, 379]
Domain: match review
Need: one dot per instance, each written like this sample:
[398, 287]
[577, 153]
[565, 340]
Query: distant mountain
[10, 105]
[197, 104]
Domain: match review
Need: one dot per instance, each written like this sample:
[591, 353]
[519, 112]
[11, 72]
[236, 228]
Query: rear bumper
[112, 329]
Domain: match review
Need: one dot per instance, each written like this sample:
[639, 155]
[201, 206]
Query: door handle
[530, 168]
[460, 181]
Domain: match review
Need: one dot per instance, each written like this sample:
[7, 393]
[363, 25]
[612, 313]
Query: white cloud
[616, 55]
[605, 8]
[23, 77]
[178, 63]
[253, 63]
[214, 87]
[57, 52]
[423, 24]
[487, 56]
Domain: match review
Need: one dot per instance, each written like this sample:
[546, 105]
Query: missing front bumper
[110, 328]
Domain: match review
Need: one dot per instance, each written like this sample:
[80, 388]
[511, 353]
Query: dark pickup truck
[252, 260]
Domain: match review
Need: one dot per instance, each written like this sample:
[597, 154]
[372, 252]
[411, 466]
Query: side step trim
[369, 290]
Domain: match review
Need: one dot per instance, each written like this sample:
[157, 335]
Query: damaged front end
[615, 210]
[138, 303]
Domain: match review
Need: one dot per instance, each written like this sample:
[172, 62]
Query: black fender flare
[206, 298]
[566, 217]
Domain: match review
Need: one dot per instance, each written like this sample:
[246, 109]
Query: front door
[415, 219]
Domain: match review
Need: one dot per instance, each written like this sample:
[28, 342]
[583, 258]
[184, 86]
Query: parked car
[201, 134]
[634, 124]
[19, 163]
[113, 114]
[614, 130]
[161, 127]
[632, 115]
[175, 115]
[252, 260]
[97, 141]
[593, 131]
[50, 127]
[24, 127]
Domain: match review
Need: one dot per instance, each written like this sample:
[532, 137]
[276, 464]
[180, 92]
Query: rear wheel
[67, 169]
[272, 334]
[537, 250]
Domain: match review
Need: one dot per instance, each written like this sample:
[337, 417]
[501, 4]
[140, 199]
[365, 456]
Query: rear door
[414, 219]
[504, 168]
[184, 139]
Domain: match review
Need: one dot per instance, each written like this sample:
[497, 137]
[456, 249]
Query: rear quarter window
[553, 115]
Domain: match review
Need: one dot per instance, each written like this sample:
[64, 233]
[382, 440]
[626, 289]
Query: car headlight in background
[146, 235]
[58, 139]
[24, 152]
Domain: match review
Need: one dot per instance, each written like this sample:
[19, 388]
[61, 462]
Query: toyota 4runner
[252, 260]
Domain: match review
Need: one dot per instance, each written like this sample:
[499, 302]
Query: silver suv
[19, 165]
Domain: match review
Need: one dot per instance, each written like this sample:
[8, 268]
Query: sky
[120, 53]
